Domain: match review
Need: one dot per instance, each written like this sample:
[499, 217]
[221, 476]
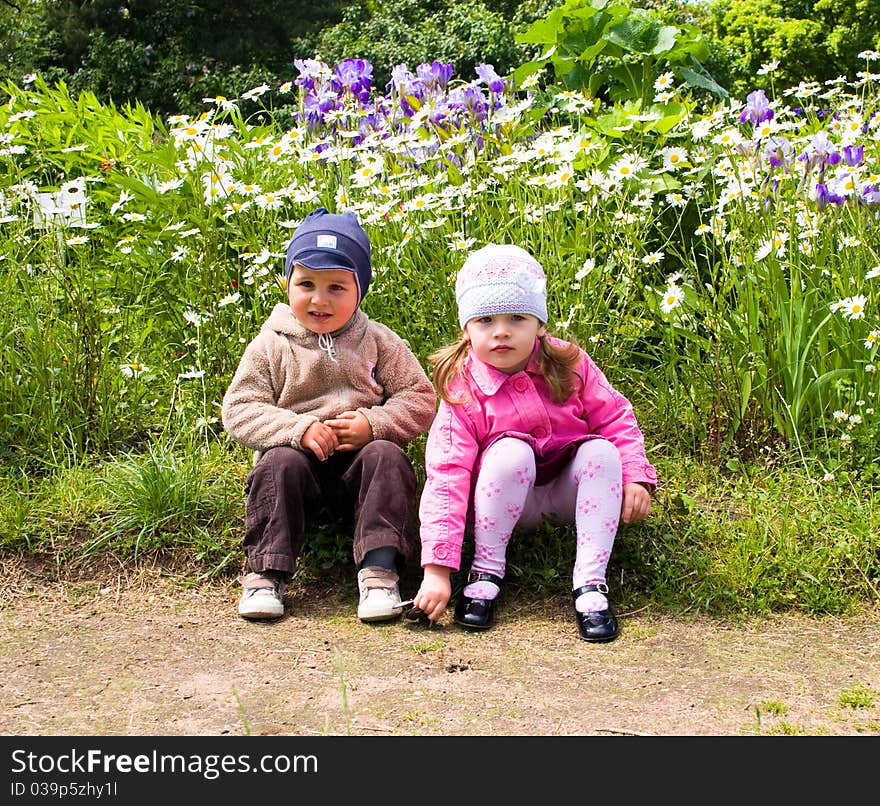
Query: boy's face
[322, 301]
[504, 340]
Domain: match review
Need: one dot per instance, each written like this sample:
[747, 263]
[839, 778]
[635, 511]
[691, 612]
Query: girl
[527, 426]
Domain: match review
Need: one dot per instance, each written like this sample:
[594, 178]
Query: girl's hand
[320, 440]
[434, 593]
[636, 502]
[352, 430]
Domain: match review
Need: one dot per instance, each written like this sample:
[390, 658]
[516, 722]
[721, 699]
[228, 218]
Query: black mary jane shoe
[600, 625]
[477, 614]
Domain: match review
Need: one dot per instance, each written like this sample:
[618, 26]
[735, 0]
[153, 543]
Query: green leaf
[700, 78]
[522, 72]
[666, 39]
[745, 394]
[577, 78]
[545, 30]
[453, 173]
[671, 115]
[636, 35]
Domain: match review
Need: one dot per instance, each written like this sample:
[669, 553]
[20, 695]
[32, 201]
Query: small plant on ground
[859, 696]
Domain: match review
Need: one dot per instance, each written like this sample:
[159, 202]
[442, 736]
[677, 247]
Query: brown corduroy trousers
[372, 490]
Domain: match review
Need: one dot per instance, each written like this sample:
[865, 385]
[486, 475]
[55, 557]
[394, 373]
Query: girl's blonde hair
[556, 363]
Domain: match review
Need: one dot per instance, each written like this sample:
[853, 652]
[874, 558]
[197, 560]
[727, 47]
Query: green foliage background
[93, 460]
[168, 55]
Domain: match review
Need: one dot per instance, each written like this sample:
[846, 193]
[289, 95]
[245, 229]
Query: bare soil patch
[137, 651]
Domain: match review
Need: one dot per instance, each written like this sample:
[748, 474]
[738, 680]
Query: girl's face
[322, 301]
[504, 340]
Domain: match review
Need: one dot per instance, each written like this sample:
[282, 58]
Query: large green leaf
[641, 34]
[542, 31]
[671, 114]
[698, 77]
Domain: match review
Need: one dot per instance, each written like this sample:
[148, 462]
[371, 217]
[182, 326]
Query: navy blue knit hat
[330, 241]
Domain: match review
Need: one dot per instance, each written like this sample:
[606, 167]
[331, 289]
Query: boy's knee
[383, 451]
[278, 462]
[387, 463]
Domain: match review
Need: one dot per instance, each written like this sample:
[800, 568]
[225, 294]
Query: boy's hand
[636, 502]
[320, 440]
[435, 590]
[352, 430]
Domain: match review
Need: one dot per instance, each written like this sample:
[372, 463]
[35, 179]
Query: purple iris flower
[853, 155]
[439, 112]
[819, 151]
[757, 108]
[435, 76]
[871, 195]
[405, 85]
[316, 105]
[487, 74]
[824, 196]
[470, 100]
[402, 80]
[375, 117]
[778, 151]
[356, 76]
[308, 69]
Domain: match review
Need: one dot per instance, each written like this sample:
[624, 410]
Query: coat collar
[488, 379]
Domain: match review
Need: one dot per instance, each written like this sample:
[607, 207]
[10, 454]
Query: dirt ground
[138, 652]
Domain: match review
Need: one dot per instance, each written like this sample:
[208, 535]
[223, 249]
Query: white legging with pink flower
[587, 492]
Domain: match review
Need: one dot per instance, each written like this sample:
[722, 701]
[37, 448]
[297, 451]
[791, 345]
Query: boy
[328, 399]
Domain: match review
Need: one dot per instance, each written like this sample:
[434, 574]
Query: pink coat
[520, 406]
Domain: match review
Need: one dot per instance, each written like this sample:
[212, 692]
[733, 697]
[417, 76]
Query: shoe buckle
[602, 588]
[479, 576]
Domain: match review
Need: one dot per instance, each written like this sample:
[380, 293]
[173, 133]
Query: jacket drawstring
[325, 342]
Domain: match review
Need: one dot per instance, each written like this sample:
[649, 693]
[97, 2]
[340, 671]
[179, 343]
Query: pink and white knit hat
[500, 278]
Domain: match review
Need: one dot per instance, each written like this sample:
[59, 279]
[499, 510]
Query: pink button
[520, 384]
[440, 552]
[539, 432]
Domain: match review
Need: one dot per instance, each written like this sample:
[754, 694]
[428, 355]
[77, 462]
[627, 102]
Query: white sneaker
[262, 596]
[380, 596]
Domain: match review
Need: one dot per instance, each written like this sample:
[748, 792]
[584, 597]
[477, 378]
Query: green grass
[774, 708]
[164, 501]
[769, 538]
[859, 696]
[756, 390]
[427, 646]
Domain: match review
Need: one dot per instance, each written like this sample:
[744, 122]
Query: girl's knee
[509, 457]
[508, 448]
[599, 452]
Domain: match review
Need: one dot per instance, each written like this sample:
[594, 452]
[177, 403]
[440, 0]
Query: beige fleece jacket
[286, 381]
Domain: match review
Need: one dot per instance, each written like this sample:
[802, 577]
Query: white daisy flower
[672, 298]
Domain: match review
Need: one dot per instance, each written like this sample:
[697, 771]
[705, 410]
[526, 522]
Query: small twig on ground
[372, 728]
[619, 732]
[633, 612]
